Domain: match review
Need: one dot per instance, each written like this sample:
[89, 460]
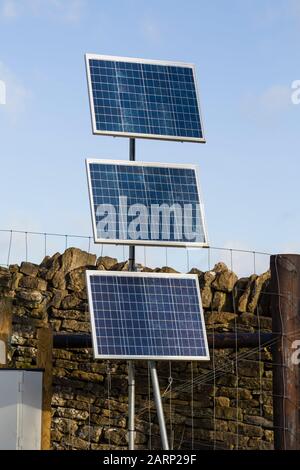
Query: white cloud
[279, 12]
[275, 99]
[150, 30]
[9, 9]
[64, 10]
[74, 13]
[16, 94]
[268, 105]
[68, 10]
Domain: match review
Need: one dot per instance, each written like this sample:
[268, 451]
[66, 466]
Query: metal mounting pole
[159, 408]
[131, 400]
[131, 248]
[152, 365]
[131, 374]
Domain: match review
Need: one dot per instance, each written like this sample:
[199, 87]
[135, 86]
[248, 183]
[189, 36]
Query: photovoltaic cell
[146, 316]
[141, 203]
[134, 97]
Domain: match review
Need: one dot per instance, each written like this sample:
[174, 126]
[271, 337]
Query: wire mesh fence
[226, 403]
[19, 245]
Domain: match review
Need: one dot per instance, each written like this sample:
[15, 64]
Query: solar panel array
[118, 186]
[146, 316]
[140, 98]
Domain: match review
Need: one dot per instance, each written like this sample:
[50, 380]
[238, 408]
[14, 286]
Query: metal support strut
[131, 260]
[131, 400]
[159, 408]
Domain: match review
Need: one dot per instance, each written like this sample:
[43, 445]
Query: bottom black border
[136, 459]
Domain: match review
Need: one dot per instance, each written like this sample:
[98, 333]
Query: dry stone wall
[226, 403]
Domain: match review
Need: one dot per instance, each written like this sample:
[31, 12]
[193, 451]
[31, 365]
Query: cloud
[275, 99]
[66, 10]
[9, 9]
[69, 10]
[16, 94]
[150, 30]
[268, 105]
[280, 12]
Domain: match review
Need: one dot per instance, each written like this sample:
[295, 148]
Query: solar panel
[146, 203]
[144, 98]
[146, 316]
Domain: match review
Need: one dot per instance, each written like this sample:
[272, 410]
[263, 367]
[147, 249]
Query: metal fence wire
[223, 404]
[20, 245]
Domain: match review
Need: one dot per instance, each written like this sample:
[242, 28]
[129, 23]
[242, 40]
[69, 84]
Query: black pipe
[218, 340]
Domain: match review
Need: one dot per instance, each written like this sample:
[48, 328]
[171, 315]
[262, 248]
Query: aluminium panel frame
[153, 243]
[90, 274]
[131, 135]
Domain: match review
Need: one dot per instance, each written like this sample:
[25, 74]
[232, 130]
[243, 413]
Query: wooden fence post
[285, 289]
[44, 361]
[5, 328]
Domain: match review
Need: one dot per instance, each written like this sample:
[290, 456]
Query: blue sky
[247, 56]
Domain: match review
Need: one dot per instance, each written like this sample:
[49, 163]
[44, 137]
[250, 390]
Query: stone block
[222, 401]
[258, 421]
[106, 262]
[228, 413]
[225, 281]
[206, 296]
[29, 269]
[29, 282]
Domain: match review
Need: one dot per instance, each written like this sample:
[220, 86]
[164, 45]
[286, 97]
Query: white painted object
[20, 409]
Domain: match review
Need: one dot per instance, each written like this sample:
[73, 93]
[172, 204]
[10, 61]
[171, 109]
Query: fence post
[5, 328]
[44, 361]
[285, 303]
